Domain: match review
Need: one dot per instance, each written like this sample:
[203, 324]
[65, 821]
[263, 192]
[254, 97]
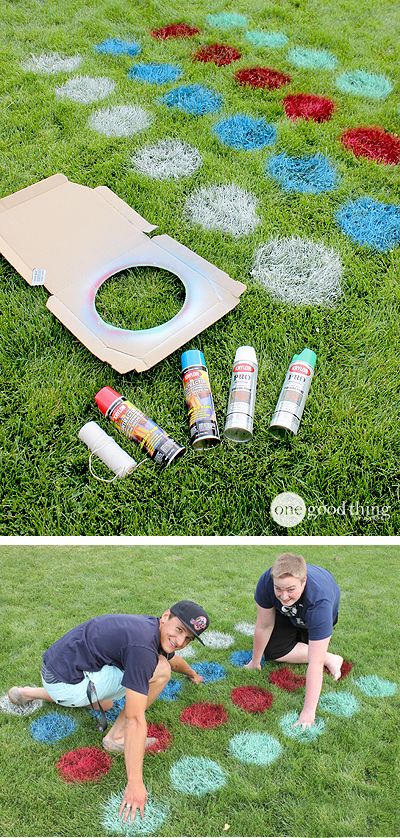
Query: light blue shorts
[107, 682]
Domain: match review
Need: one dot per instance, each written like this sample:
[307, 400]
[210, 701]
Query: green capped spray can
[296, 386]
[203, 427]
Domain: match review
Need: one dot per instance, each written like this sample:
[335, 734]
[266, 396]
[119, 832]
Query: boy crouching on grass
[297, 608]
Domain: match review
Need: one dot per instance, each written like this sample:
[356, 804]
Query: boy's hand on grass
[305, 720]
[196, 678]
[135, 797]
[252, 665]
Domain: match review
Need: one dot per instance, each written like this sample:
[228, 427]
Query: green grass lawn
[346, 448]
[344, 783]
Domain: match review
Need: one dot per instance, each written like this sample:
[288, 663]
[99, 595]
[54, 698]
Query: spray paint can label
[242, 396]
[203, 427]
[290, 405]
[132, 423]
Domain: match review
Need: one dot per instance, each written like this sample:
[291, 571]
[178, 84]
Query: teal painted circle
[312, 59]
[197, 776]
[375, 687]
[361, 83]
[155, 814]
[339, 703]
[255, 748]
[267, 39]
[307, 735]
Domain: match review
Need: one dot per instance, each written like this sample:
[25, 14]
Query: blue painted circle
[52, 727]
[312, 59]
[339, 703]
[171, 690]
[155, 73]
[155, 814]
[361, 83]
[255, 748]
[371, 223]
[210, 671]
[312, 174]
[244, 132]
[193, 99]
[114, 46]
[307, 735]
[197, 776]
[375, 687]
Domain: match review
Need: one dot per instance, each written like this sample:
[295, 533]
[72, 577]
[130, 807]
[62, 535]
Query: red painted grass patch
[262, 77]
[204, 715]
[374, 143]
[287, 680]
[162, 736]
[347, 666]
[252, 699]
[175, 30]
[308, 106]
[83, 765]
[219, 54]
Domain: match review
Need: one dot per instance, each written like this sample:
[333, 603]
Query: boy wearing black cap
[115, 655]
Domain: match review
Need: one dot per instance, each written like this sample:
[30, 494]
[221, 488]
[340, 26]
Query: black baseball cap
[192, 616]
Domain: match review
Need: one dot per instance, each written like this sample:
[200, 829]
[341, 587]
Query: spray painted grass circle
[345, 670]
[375, 687]
[361, 83]
[114, 711]
[197, 776]
[120, 120]
[312, 174]
[339, 703]
[6, 706]
[83, 765]
[175, 30]
[171, 690]
[244, 132]
[228, 209]
[218, 640]
[162, 736]
[194, 99]
[307, 735]
[226, 20]
[308, 106]
[240, 658]
[211, 672]
[204, 715]
[262, 77]
[52, 62]
[155, 73]
[245, 628]
[374, 143]
[52, 727]
[219, 54]
[252, 699]
[298, 271]
[113, 46]
[86, 89]
[167, 159]
[255, 748]
[286, 680]
[372, 223]
[155, 814]
[312, 59]
[267, 39]
[187, 652]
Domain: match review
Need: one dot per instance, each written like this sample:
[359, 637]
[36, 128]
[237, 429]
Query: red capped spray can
[132, 423]
[203, 427]
[242, 396]
[296, 386]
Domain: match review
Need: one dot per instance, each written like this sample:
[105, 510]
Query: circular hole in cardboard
[140, 298]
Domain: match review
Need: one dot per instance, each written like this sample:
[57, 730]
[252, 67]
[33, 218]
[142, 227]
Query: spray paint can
[132, 423]
[203, 427]
[296, 386]
[242, 396]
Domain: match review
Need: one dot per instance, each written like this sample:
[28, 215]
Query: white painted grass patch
[120, 120]
[167, 159]
[226, 208]
[52, 62]
[86, 89]
[217, 640]
[6, 706]
[187, 652]
[299, 271]
[245, 628]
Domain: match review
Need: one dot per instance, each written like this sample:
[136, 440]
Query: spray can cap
[192, 358]
[245, 353]
[307, 355]
[105, 398]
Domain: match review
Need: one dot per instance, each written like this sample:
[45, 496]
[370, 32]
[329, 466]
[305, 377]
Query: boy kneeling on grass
[118, 655]
[297, 608]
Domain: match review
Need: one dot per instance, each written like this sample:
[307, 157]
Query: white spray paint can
[242, 396]
[296, 386]
[107, 450]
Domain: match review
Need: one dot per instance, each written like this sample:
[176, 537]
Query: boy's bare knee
[162, 671]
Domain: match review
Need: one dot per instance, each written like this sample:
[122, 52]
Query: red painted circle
[308, 106]
[287, 680]
[204, 715]
[374, 143]
[262, 77]
[83, 765]
[175, 30]
[219, 54]
[163, 738]
[252, 699]
[347, 666]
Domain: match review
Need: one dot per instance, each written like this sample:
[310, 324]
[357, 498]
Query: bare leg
[299, 654]
[157, 683]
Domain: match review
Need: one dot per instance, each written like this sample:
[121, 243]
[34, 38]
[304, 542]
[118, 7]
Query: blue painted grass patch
[242, 657]
[267, 39]
[114, 711]
[52, 727]
[171, 690]
[307, 735]
[361, 83]
[371, 223]
[197, 776]
[312, 59]
[244, 132]
[339, 704]
[210, 671]
[155, 814]
[255, 748]
[226, 20]
[313, 174]
[155, 73]
[375, 687]
[114, 46]
[194, 99]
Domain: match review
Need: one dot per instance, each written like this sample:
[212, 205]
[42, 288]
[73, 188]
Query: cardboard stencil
[71, 238]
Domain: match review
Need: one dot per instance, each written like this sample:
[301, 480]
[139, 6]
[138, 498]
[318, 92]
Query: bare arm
[263, 630]
[317, 650]
[135, 794]
[179, 664]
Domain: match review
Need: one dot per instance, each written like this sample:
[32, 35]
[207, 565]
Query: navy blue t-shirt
[128, 641]
[316, 610]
